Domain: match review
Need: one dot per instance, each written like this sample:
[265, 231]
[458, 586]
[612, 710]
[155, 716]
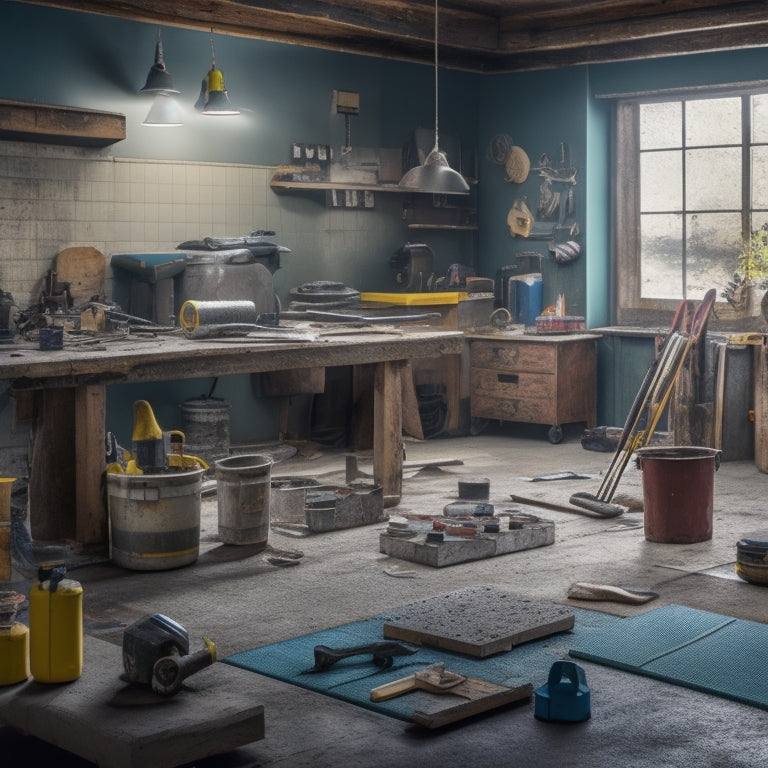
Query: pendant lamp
[164, 112]
[213, 99]
[435, 175]
[159, 79]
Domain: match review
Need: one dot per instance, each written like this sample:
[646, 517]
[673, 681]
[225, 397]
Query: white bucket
[154, 520]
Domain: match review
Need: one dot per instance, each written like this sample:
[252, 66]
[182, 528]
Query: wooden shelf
[338, 185]
[45, 123]
[443, 226]
[285, 185]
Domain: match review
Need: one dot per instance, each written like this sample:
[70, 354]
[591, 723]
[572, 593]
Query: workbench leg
[52, 466]
[388, 430]
[90, 495]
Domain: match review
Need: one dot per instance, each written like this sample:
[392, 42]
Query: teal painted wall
[284, 92]
[539, 111]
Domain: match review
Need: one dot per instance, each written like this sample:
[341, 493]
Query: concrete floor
[241, 601]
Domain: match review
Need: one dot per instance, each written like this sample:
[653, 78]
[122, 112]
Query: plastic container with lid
[14, 641]
[55, 626]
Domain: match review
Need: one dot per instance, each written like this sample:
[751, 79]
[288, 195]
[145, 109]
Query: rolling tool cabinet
[535, 379]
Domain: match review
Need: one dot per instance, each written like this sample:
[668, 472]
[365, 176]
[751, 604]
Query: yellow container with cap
[14, 641]
[55, 626]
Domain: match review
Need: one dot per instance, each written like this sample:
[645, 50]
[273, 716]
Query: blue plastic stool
[565, 697]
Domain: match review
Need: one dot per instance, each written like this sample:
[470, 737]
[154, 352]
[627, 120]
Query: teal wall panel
[284, 91]
[539, 111]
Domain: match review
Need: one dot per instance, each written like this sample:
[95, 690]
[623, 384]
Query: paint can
[752, 557]
[154, 520]
[678, 489]
[243, 491]
[205, 424]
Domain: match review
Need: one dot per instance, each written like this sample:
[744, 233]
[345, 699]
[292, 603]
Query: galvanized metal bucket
[243, 490]
[154, 520]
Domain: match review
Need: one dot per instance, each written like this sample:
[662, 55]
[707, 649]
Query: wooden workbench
[69, 396]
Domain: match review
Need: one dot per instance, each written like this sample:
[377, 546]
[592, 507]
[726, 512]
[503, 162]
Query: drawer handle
[508, 378]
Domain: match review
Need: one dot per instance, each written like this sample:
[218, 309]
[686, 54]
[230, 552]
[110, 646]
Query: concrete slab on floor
[115, 725]
[479, 620]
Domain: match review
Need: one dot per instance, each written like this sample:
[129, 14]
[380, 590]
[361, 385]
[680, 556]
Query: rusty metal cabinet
[534, 379]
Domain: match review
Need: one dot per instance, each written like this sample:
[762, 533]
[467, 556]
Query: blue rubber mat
[352, 679]
[696, 649]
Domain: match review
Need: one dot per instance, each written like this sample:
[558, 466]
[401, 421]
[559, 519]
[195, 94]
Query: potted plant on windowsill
[746, 291]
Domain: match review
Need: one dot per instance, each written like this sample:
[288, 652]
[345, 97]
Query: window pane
[713, 179]
[760, 118]
[661, 256]
[759, 177]
[712, 121]
[661, 176]
[661, 125]
[712, 251]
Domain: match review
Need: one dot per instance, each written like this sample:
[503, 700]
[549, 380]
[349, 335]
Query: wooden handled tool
[435, 679]
[481, 696]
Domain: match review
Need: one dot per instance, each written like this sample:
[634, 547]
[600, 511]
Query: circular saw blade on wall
[498, 148]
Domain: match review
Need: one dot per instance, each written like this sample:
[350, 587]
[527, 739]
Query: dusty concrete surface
[241, 600]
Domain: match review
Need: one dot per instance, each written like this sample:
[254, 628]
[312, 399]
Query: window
[691, 183]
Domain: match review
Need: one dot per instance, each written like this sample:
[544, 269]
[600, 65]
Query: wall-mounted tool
[414, 266]
[346, 103]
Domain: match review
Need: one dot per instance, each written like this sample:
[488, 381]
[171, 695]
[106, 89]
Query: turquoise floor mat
[353, 678]
[696, 649]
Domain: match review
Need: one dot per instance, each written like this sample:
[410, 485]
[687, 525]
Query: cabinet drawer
[503, 384]
[522, 357]
[525, 409]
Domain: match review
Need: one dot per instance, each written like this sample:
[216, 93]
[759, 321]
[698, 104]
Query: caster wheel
[477, 426]
[555, 434]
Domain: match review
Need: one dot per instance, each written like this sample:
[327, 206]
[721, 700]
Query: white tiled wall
[53, 198]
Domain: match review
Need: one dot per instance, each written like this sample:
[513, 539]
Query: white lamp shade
[164, 113]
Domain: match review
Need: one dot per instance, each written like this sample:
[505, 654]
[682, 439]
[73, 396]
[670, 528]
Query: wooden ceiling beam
[476, 35]
[520, 36]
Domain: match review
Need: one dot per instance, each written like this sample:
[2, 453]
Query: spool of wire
[199, 319]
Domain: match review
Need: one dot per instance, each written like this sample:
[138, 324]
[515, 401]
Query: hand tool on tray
[481, 695]
[383, 653]
[649, 403]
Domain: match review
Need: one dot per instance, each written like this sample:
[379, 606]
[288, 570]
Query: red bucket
[678, 486]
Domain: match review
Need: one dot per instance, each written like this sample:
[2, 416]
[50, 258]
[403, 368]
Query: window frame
[629, 307]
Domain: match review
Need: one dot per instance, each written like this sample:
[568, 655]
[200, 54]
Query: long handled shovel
[649, 404]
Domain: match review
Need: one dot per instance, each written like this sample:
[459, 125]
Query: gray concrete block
[114, 725]
[479, 621]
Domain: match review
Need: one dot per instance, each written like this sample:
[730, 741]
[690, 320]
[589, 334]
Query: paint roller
[203, 319]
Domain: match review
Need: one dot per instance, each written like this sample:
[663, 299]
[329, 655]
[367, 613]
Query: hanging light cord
[213, 53]
[436, 148]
